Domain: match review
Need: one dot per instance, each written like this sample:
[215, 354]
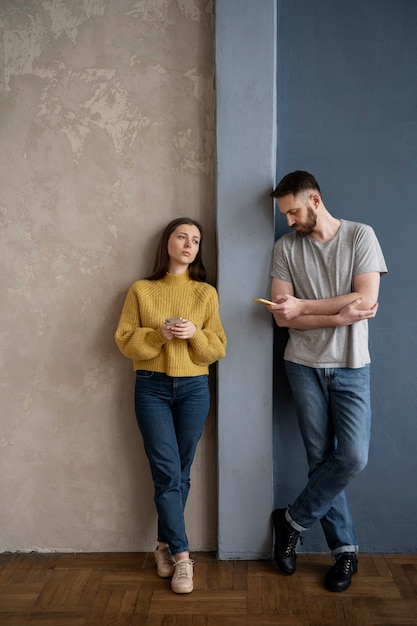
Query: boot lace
[345, 565]
[293, 537]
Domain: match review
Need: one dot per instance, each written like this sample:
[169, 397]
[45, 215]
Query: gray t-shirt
[324, 270]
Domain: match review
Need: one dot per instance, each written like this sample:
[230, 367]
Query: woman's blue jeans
[334, 415]
[171, 413]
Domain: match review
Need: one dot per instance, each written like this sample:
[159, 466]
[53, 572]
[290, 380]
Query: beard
[305, 229]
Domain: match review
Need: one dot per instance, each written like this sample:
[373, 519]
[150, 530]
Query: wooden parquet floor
[124, 590]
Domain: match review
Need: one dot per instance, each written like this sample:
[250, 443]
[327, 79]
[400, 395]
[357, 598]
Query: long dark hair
[196, 269]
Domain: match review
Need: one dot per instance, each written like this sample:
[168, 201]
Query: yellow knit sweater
[147, 305]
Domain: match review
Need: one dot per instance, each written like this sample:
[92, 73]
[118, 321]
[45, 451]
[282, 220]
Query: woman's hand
[166, 332]
[183, 330]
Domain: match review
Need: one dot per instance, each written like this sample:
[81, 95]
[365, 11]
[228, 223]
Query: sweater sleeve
[209, 342]
[134, 341]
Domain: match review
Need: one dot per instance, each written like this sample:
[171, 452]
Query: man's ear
[315, 199]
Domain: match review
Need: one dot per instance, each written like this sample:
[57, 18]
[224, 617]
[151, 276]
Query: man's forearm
[327, 306]
[289, 307]
[348, 315]
[308, 322]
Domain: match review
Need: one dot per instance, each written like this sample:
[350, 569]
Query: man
[325, 284]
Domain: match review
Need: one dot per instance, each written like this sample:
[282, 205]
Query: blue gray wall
[347, 111]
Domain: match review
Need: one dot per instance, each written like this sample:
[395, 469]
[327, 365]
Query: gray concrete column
[246, 121]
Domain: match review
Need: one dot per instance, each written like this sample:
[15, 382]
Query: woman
[171, 329]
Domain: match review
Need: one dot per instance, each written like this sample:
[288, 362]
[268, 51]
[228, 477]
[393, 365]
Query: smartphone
[173, 320]
[263, 301]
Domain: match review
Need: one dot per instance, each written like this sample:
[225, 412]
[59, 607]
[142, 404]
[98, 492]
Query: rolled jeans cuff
[343, 549]
[294, 524]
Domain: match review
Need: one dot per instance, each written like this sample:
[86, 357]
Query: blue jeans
[171, 413]
[334, 415]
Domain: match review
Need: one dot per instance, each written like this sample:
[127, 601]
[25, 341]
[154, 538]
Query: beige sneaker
[182, 581]
[164, 562]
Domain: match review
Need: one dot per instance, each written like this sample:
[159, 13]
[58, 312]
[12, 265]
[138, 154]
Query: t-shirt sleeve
[368, 253]
[280, 268]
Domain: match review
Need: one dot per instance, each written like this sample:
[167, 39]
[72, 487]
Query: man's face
[299, 213]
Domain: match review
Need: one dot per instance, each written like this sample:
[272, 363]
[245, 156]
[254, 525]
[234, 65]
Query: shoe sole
[338, 590]
[186, 590]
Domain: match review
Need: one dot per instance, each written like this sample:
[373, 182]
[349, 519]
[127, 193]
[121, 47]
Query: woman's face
[183, 246]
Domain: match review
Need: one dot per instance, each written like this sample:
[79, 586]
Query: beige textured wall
[106, 133]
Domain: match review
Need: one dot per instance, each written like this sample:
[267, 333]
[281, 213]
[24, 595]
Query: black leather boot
[339, 577]
[286, 538]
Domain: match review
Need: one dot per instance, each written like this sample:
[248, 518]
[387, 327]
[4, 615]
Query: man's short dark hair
[294, 183]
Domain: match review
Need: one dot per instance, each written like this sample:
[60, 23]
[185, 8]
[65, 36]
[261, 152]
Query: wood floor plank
[143, 603]
[269, 596]
[410, 571]
[379, 563]
[99, 607]
[200, 602]
[293, 597]
[201, 570]
[125, 590]
[9, 568]
[362, 614]
[254, 594]
[18, 593]
[240, 575]
[5, 557]
[400, 579]
[52, 591]
[40, 619]
[394, 612]
[256, 620]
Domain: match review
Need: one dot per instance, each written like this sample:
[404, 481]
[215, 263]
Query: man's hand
[287, 307]
[355, 312]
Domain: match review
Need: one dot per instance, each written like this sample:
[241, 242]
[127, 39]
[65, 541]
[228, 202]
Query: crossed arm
[344, 310]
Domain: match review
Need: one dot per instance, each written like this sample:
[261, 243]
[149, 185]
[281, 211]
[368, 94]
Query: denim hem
[293, 523]
[163, 541]
[343, 549]
[174, 552]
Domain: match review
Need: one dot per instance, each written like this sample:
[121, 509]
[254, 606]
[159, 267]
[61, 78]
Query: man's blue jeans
[171, 413]
[334, 415]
